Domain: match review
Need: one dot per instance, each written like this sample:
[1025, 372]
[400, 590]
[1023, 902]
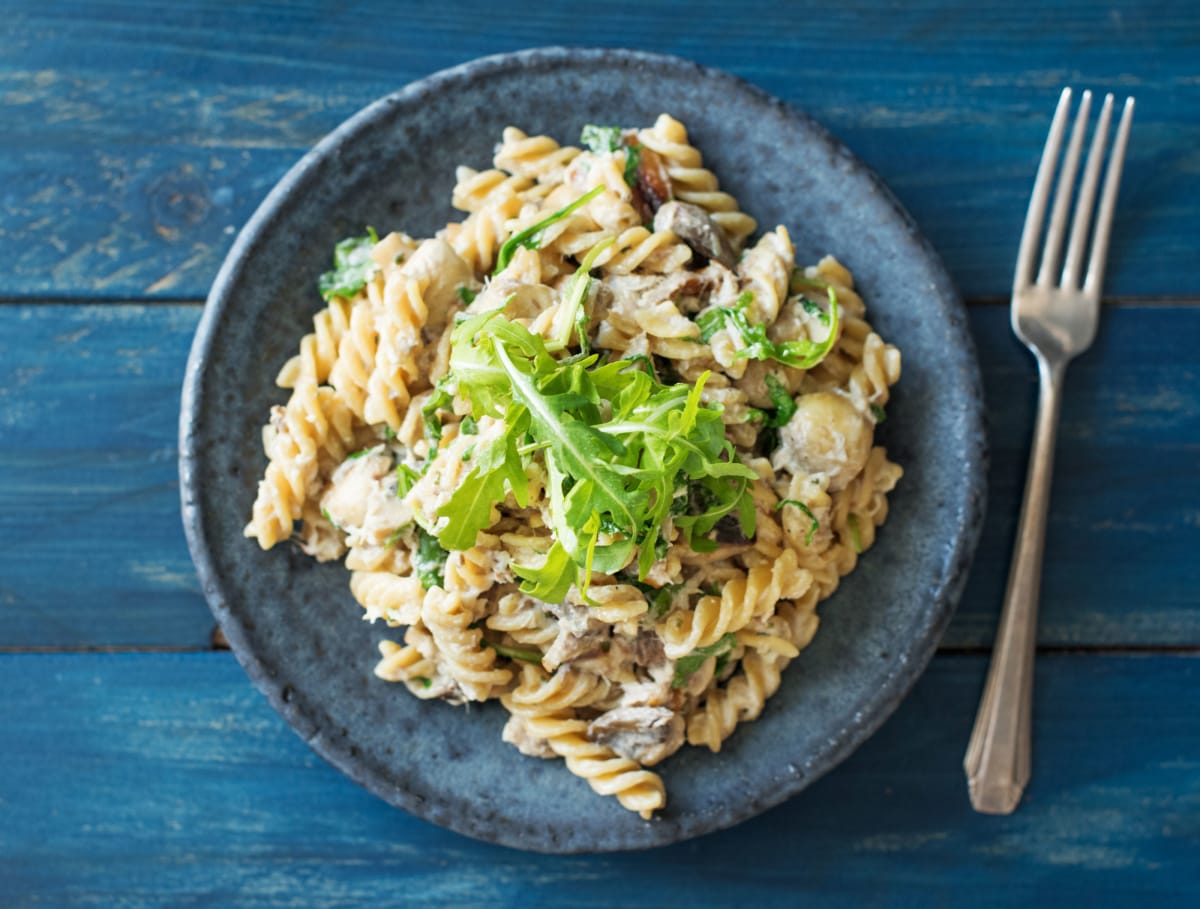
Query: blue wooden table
[139, 767]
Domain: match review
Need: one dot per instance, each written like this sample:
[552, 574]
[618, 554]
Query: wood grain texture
[153, 780]
[92, 553]
[138, 137]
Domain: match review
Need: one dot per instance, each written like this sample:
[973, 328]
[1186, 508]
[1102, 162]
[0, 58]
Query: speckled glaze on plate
[293, 623]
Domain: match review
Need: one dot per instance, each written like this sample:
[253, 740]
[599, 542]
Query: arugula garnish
[466, 295]
[514, 653]
[785, 405]
[616, 445]
[441, 399]
[855, 537]
[571, 313]
[601, 139]
[813, 527]
[685, 666]
[801, 353]
[352, 265]
[405, 478]
[530, 237]
[429, 561]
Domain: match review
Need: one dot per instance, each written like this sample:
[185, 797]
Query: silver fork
[1055, 317]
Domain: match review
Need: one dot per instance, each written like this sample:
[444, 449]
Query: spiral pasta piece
[467, 661]
[741, 700]
[606, 772]
[314, 423]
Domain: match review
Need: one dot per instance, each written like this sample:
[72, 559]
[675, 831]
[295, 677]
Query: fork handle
[998, 755]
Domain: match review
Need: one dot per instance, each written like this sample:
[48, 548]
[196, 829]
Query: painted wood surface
[138, 137]
[89, 400]
[147, 780]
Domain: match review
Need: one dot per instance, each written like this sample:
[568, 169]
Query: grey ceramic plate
[293, 623]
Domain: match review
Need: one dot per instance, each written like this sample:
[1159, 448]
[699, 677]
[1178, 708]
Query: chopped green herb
[785, 405]
[429, 561]
[389, 434]
[358, 454]
[328, 517]
[514, 653]
[633, 160]
[800, 353]
[607, 139]
[814, 309]
[466, 455]
[466, 295]
[601, 139]
[530, 237]
[394, 537]
[441, 399]
[685, 666]
[661, 599]
[878, 413]
[813, 528]
[468, 426]
[855, 536]
[424, 681]
[352, 265]
[722, 662]
[405, 478]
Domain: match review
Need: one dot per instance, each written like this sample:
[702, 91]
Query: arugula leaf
[571, 313]
[429, 561]
[514, 653]
[879, 413]
[550, 581]
[661, 599]
[785, 405]
[615, 444]
[441, 399]
[466, 295]
[685, 666]
[405, 478]
[855, 536]
[530, 237]
[813, 528]
[352, 265]
[801, 353]
[633, 160]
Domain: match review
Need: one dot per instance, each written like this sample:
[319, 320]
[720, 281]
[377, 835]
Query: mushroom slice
[693, 226]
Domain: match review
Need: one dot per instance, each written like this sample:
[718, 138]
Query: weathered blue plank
[151, 779]
[91, 552]
[137, 135]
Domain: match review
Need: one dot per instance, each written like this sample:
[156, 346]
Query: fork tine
[1108, 202]
[1081, 222]
[1041, 192]
[1052, 248]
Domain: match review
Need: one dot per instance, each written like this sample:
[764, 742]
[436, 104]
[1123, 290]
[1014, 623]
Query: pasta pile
[598, 457]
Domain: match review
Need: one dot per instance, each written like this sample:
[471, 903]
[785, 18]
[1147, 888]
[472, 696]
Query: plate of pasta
[549, 462]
